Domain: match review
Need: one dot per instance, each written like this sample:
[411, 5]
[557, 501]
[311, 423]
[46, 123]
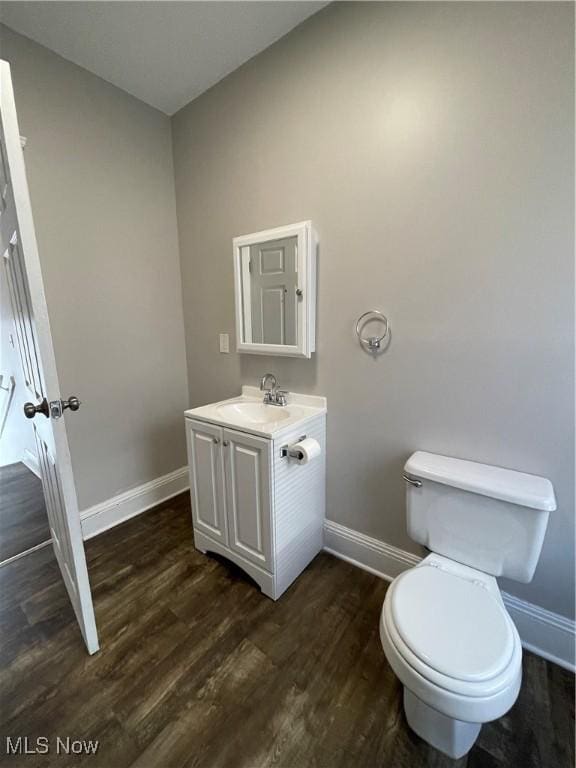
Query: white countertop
[299, 409]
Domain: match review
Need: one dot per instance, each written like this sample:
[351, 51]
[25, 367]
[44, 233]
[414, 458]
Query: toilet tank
[489, 518]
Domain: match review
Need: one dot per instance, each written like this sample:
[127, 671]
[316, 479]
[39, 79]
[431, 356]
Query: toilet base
[453, 737]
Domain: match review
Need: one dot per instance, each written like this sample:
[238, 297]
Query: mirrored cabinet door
[269, 292]
[275, 280]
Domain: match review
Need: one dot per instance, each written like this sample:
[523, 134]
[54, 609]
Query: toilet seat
[453, 625]
[453, 685]
[478, 700]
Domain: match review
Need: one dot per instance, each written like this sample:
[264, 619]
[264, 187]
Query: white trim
[547, 634]
[31, 461]
[370, 554]
[26, 552]
[118, 509]
[543, 632]
[6, 395]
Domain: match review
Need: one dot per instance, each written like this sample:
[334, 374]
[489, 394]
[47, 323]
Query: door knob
[30, 410]
[215, 440]
[226, 443]
[73, 403]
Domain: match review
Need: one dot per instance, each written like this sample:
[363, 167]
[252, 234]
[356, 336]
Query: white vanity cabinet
[262, 510]
[230, 489]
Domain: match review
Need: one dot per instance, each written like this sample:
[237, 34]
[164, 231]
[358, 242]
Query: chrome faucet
[272, 395]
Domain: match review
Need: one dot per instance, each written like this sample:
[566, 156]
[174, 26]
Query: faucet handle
[281, 396]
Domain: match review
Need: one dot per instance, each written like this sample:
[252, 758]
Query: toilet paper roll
[306, 450]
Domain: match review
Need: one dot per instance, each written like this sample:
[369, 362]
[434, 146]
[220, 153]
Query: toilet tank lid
[497, 483]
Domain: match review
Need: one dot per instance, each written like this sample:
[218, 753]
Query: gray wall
[432, 146]
[99, 165]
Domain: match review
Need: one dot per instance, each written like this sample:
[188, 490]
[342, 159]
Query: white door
[19, 257]
[273, 290]
[206, 479]
[247, 462]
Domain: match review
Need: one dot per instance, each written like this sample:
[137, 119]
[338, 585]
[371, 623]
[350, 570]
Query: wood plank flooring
[199, 670]
[23, 518]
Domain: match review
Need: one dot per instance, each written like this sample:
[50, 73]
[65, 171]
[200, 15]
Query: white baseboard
[370, 554]
[545, 633]
[118, 509]
[31, 461]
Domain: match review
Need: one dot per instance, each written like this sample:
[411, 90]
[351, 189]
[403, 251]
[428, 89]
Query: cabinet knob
[226, 443]
[215, 440]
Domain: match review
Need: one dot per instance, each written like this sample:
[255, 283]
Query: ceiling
[164, 53]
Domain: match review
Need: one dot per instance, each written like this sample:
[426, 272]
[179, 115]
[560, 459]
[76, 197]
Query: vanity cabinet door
[207, 479]
[247, 470]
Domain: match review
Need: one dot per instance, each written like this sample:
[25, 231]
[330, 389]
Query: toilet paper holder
[291, 452]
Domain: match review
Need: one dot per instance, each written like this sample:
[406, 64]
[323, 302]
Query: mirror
[275, 286]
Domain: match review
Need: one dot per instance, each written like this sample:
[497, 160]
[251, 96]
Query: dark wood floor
[198, 669]
[23, 519]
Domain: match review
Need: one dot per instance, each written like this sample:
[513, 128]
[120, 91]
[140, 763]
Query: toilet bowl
[444, 627]
[448, 638]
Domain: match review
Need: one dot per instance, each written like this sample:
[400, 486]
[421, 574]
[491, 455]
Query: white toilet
[444, 627]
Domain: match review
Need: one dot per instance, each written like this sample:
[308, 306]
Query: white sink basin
[249, 414]
[254, 413]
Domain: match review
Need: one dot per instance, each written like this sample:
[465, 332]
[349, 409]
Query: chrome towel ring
[372, 343]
